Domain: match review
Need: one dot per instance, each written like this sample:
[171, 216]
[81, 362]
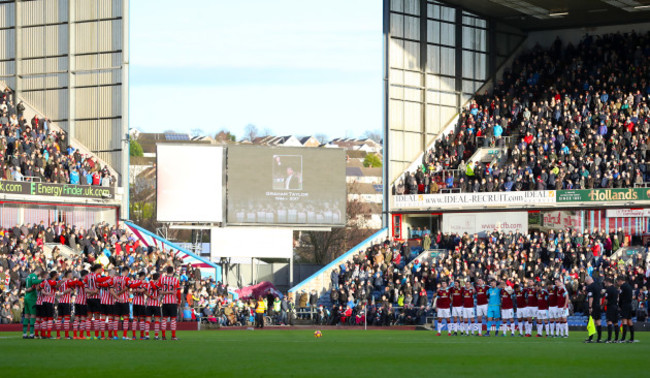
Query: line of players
[536, 303]
[101, 302]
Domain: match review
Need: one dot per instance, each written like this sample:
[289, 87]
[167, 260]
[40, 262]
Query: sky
[300, 67]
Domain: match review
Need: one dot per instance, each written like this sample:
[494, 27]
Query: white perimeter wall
[262, 242]
[484, 223]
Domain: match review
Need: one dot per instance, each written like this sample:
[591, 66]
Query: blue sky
[293, 67]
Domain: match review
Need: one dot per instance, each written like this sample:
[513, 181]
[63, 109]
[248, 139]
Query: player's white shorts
[542, 314]
[468, 313]
[457, 312]
[443, 313]
[522, 313]
[507, 313]
[553, 312]
[562, 313]
[481, 311]
[531, 312]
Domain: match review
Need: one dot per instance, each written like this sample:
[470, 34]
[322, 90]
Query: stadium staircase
[626, 253]
[428, 256]
[64, 249]
[320, 281]
[490, 155]
[31, 111]
[151, 240]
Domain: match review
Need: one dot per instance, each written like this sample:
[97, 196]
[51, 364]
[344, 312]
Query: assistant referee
[593, 293]
[611, 295]
[625, 303]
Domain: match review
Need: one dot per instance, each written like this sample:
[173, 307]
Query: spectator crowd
[22, 252]
[571, 117]
[392, 286]
[31, 150]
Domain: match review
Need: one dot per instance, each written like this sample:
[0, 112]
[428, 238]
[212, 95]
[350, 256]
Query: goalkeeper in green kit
[29, 312]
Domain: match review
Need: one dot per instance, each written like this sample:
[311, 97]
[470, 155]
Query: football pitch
[339, 353]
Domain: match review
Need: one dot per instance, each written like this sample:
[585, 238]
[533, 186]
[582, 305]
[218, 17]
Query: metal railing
[493, 142]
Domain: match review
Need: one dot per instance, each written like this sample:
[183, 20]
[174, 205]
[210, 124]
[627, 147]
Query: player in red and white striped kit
[152, 291]
[66, 286]
[93, 298]
[48, 287]
[81, 323]
[170, 287]
[107, 306]
[121, 287]
[41, 322]
[139, 304]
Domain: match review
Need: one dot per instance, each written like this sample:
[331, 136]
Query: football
[318, 334]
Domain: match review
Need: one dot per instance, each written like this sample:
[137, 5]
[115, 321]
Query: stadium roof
[532, 15]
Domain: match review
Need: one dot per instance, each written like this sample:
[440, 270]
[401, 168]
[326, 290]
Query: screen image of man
[292, 182]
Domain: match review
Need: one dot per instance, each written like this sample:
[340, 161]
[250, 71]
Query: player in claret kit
[562, 308]
[81, 323]
[531, 309]
[481, 305]
[522, 309]
[442, 303]
[552, 309]
[121, 288]
[542, 310]
[152, 291]
[468, 307]
[170, 287]
[139, 305]
[457, 307]
[507, 309]
[65, 298]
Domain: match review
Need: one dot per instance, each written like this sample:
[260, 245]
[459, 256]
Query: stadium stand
[399, 288]
[567, 117]
[33, 149]
[59, 246]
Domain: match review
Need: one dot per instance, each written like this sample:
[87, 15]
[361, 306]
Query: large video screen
[189, 183]
[286, 185]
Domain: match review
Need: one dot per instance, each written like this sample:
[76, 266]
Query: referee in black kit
[625, 303]
[611, 295]
[593, 293]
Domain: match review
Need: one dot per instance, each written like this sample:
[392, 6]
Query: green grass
[339, 353]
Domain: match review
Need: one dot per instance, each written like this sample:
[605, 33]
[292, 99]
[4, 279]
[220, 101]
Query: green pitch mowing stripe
[339, 353]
